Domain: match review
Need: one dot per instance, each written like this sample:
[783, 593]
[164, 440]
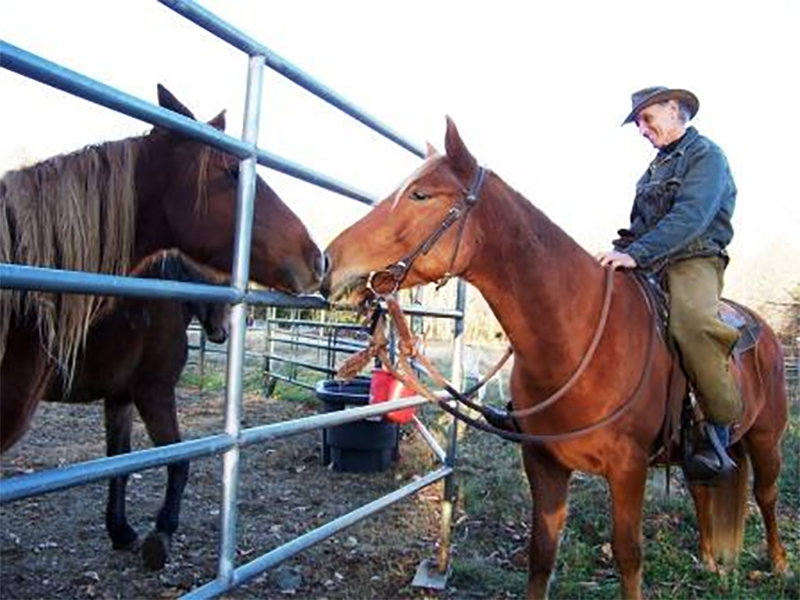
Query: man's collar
[680, 143]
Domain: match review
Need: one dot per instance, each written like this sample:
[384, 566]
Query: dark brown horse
[451, 216]
[133, 357]
[105, 208]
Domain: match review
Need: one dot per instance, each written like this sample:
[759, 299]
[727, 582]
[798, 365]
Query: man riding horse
[680, 227]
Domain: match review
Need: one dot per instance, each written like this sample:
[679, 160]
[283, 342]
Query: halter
[395, 274]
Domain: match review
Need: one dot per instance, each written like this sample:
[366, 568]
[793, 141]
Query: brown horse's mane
[542, 235]
[74, 211]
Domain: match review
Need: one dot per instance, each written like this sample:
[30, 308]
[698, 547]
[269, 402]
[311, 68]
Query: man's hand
[616, 260]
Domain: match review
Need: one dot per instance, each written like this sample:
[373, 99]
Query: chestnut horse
[105, 208]
[453, 217]
[143, 372]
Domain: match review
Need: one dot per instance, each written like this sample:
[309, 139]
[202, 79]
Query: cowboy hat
[653, 95]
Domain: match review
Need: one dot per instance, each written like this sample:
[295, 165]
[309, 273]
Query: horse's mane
[74, 211]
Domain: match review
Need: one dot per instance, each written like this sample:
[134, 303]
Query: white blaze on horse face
[427, 166]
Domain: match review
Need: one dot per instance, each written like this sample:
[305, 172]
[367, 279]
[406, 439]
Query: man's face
[660, 123]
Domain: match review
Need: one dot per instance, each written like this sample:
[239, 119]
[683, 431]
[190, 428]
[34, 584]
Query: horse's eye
[233, 172]
[419, 196]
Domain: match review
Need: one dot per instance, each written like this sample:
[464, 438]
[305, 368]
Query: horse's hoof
[155, 550]
[780, 566]
[126, 539]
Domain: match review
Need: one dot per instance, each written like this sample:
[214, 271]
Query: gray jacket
[683, 206]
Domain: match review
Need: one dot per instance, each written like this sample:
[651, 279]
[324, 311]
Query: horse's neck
[152, 229]
[543, 288]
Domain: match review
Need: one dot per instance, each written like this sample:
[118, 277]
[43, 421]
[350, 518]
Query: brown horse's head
[412, 227]
[213, 317]
[187, 199]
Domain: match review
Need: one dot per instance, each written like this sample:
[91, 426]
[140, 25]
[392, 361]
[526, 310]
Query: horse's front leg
[118, 415]
[701, 496]
[159, 414]
[627, 483]
[549, 482]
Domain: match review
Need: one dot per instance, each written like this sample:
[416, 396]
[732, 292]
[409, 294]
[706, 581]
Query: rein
[587, 357]
[388, 280]
[407, 347]
[409, 359]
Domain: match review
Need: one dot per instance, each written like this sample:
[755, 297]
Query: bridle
[389, 279]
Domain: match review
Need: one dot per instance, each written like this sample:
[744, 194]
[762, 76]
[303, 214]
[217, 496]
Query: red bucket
[383, 387]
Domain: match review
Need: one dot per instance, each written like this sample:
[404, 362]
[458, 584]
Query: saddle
[731, 313]
[679, 418]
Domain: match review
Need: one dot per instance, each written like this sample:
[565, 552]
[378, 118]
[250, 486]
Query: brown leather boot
[500, 418]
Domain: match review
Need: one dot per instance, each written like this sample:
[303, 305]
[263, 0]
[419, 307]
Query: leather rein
[409, 359]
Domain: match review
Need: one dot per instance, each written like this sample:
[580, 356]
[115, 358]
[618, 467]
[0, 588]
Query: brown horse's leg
[25, 375]
[549, 483]
[701, 495]
[627, 497]
[159, 414]
[118, 418]
[763, 442]
[766, 460]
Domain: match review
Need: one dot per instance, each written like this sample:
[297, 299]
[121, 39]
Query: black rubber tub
[366, 446]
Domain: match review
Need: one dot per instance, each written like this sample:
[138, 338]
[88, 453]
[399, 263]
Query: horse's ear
[170, 102]
[457, 152]
[218, 122]
[430, 151]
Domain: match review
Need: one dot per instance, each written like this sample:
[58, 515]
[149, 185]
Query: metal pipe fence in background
[791, 354]
[290, 348]
[229, 442]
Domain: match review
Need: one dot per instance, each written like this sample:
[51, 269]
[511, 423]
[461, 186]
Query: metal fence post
[236, 343]
[202, 358]
[457, 377]
[434, 574]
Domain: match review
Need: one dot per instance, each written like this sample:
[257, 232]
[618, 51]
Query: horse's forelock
[206, 157]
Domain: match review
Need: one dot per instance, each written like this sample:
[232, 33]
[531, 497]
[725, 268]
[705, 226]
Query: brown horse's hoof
[155, 550]
[131, 546]
[779, 561]
[127, 540]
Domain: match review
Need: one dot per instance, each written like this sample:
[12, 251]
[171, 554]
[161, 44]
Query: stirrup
[709, 464]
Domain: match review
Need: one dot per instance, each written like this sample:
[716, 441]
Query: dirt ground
[55, 546]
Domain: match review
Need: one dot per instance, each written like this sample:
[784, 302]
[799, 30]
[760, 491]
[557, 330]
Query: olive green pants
[705, 342]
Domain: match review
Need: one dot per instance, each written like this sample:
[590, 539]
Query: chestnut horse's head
[187, 199]
[421, 233]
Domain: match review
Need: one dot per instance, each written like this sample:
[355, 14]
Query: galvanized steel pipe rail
[227, 443]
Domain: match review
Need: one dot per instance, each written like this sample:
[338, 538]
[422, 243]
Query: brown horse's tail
[727, 508]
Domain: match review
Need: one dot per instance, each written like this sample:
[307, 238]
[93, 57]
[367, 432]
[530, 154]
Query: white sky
[538, 90]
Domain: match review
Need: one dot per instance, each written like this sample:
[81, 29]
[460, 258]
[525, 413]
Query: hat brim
[685, 96]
